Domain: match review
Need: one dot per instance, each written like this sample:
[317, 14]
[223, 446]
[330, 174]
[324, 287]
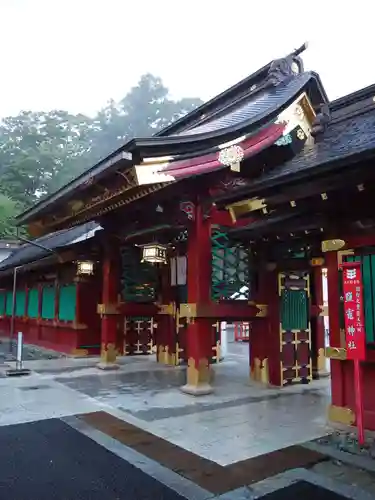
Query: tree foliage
[8, 209]
[41, 151]
[144, 110]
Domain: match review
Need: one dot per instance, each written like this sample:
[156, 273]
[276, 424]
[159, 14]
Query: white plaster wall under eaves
[88, 235]
[4, 253]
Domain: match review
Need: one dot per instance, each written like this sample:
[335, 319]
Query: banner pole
[359, 401]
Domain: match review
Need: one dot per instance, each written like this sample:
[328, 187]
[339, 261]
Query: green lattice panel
[139, 279]
[67, 302]
[9, 303]
[230, 267]
[294, 310]
[20, 303]
[2, 302]
[33, 303]
[48, 302]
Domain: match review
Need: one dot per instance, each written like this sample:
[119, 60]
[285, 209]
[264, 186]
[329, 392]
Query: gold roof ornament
[332, 245]
[232, 157]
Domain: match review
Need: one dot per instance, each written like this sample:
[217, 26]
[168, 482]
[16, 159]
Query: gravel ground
[30, 352]
[348, 442]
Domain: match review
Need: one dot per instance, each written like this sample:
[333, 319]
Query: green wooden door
[295, 328]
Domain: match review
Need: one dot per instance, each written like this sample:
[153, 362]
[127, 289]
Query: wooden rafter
[107, 203]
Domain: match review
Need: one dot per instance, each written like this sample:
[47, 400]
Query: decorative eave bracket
[332, 245]
[243, 207]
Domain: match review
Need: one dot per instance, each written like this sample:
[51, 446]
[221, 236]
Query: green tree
[145, 109]
[42, 151]
[38, 150]
[8, 210]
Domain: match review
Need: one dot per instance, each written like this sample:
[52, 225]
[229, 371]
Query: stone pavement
[68, 460]
[347, 474]
[240, 421]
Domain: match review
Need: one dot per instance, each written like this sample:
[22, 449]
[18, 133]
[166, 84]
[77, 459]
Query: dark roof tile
[343, 141]
[29, 253]
[256, 107]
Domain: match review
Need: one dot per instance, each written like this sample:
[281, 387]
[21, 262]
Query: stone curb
[343, 456]
[172, 480]
[191, 491]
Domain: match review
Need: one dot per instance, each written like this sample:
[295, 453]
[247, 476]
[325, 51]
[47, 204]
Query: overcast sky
[77, 54]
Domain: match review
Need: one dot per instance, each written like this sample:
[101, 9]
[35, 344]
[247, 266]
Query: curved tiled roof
[256, 107]
[243, 111]
[349, 137]
[30, 253]
[342, 141]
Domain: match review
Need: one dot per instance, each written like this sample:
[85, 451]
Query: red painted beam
[363, 240]
[209, 163]
[134, 309]
[227, 311]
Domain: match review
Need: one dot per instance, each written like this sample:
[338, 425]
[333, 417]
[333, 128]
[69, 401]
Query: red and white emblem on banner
[353, 310]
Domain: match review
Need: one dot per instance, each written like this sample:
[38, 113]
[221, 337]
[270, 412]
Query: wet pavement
[69, 460]
[154, 384]
[347, 474]
[239, 421]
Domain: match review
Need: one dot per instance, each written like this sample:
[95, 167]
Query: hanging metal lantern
[85, 267]
[155, 253]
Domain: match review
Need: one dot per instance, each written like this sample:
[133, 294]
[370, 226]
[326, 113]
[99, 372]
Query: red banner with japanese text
[353, 308]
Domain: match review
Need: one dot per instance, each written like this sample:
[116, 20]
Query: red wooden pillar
[337, 379]
[83, 287]
[166, 323]
[259, 353]
[320, 367]
[108, 308]
[199, 330]
[273, 332]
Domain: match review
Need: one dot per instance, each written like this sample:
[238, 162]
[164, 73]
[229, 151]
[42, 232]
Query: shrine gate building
[257, 190]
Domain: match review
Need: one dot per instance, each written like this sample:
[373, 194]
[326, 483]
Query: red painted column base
[265, 335]
[109, 308]
[199, 352]
[108, 349]
[166, 340]
[199, 330]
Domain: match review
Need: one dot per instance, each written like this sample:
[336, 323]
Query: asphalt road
[302, 490]
[48, 460]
